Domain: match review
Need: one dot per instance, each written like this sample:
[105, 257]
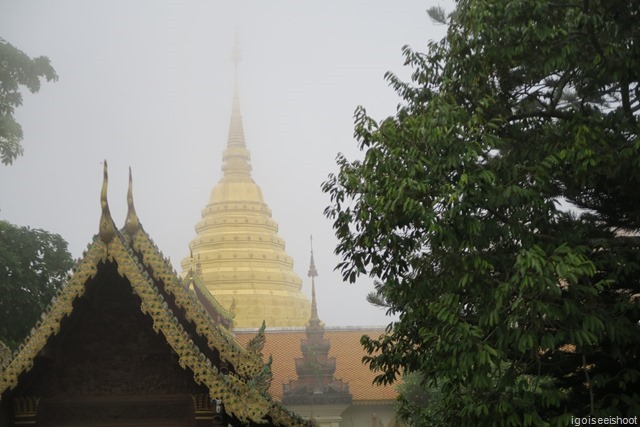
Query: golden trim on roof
[246, 364]
[197, 284]
[245, 402]
[60, 307]
[240, 399]
[218, 338]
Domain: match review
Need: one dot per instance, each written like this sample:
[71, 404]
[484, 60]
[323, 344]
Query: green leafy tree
[520, 311]
[17, 69]
[33, 265]
[419, 404]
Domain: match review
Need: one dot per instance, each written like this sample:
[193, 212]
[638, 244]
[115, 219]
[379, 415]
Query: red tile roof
[284, 346]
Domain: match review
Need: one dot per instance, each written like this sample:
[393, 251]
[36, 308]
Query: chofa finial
[107, 229]
[132, 223]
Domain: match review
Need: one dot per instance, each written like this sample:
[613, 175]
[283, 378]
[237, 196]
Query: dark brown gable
[108, 365]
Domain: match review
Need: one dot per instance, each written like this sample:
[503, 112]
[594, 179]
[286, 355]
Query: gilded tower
[242, 258]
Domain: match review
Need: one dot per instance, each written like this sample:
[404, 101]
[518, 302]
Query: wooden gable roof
[243, 383]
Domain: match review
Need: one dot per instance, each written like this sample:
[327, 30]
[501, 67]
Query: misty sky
[148, 84]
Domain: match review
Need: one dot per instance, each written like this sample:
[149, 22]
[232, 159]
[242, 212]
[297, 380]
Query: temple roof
[170, 305]
[242, 257]
[283, 345]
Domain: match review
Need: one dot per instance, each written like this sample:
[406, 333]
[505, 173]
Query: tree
[33, 265]
[498, 211]
[17, 69]
[419, 403]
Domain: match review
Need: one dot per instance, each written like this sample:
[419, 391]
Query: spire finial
[313, 273]
[107, 229]
[312, 265]
[236, 158]
[132, 223]
[314, 304]
[236, 54]
[236, 58]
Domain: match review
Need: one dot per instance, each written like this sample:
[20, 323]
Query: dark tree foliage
[33, 265]
[419, 404]
[519, 310]
[17, 69]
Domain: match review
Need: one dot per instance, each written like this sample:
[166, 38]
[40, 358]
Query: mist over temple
[241, 260]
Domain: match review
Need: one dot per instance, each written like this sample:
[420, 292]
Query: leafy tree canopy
[17, 69]
[33, 265]
[519, 311]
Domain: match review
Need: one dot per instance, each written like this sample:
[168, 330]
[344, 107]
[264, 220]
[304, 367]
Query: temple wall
[369, 415]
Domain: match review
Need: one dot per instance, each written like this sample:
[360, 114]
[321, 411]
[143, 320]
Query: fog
[148, 84]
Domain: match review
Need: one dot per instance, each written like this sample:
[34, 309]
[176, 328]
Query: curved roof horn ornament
[132, 223]
[107, 229]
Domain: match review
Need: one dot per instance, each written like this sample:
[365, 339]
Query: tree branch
[559, 90]
[554, 114]
[619, 241]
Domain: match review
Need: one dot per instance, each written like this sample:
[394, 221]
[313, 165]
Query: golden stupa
[240, 256]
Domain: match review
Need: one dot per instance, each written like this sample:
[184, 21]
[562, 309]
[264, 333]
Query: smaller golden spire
[313, 273]
[107, 229]
[132, 224]
[312, 267]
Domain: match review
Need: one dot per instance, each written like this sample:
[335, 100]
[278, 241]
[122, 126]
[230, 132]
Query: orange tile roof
[284, 346]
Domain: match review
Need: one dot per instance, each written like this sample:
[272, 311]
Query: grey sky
[148, 84]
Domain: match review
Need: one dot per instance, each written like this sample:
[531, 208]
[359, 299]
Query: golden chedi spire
[313, 273]
[243, 259]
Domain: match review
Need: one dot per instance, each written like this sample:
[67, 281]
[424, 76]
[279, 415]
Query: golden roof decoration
[217, 337]
[203, 294]
[256, 344]
[5, 352]
[107, 228]
[132, 223]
